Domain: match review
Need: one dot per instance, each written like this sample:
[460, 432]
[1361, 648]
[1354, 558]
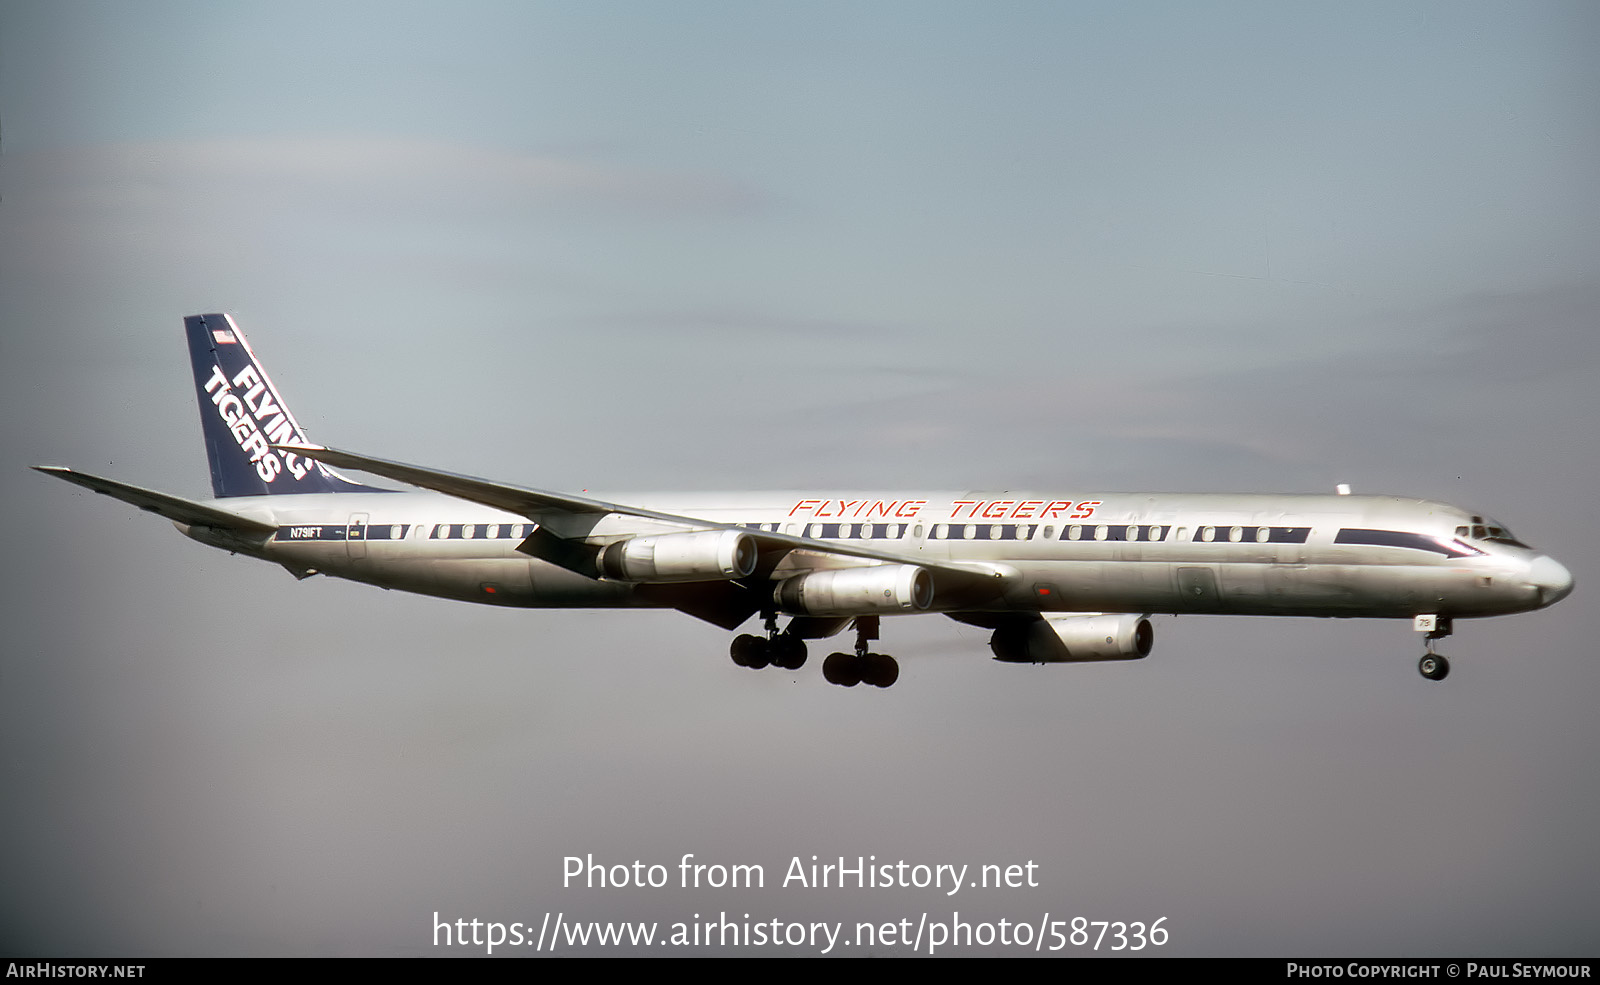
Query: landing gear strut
[1433, 665]
[862, 667]
[775, 649]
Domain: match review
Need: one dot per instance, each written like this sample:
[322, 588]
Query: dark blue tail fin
[242, 416]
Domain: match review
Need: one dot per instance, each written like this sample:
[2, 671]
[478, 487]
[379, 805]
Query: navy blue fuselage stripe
[311, 531]
[983, 531]
[399, 531]
[1222, 534]
[340, 531]
[480, 531]
[1116, 531]
[1400, 538]
[841, 531]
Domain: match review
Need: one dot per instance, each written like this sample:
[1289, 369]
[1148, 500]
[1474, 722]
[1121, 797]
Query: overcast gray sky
[1057, 246]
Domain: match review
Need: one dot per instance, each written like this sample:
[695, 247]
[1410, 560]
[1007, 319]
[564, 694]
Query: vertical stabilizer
[242, 415]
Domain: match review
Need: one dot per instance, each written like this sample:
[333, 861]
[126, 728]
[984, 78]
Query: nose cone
[1553, 581]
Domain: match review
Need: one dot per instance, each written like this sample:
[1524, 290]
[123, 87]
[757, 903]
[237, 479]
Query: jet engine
[872, 590]
[1073, 639]
[706, 555]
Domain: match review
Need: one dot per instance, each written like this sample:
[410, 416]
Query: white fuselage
[1307, 555]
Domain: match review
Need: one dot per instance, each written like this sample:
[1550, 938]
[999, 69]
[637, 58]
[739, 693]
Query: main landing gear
[1433, 665]
[861, 667]
[788, 651]
[776, 649]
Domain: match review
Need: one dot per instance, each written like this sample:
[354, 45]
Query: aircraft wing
[976, 578]
[172, 507]
[530, 503]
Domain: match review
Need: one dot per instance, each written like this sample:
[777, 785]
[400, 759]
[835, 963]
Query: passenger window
[1132, 533]
[1208, 534]
[1048, 530]
[1262, 533]
[1101, 531]
[1074, 532]
[1236, 534]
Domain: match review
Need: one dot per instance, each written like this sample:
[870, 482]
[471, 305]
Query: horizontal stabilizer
[178, 510]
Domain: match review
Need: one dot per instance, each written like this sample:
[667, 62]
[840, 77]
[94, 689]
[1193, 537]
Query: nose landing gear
[1433, 665]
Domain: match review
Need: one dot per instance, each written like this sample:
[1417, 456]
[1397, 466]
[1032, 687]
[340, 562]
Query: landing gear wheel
[861, 667]
[788, 651]
[1434, 667]
[879, 669]
[750, 651]
[842, 669]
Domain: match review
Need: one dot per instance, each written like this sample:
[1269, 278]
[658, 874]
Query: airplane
[1055, 578]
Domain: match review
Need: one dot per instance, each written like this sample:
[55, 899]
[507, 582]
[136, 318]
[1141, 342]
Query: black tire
[788, 652]
[749, 651]
[841, 669]
[1433, 667]
[880, 670]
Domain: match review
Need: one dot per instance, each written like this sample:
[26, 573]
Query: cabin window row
[855, 531]
[1258, 535]
[1115, 532]
[481, 531]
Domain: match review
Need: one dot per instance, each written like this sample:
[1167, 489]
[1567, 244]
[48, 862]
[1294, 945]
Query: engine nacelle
[873, 590]
[1074, 639]
[706, 555]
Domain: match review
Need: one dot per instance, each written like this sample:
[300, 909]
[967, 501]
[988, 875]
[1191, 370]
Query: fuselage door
[355, 535]
[1198, 586]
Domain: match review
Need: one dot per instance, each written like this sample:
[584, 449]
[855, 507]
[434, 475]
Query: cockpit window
[1488, 529]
